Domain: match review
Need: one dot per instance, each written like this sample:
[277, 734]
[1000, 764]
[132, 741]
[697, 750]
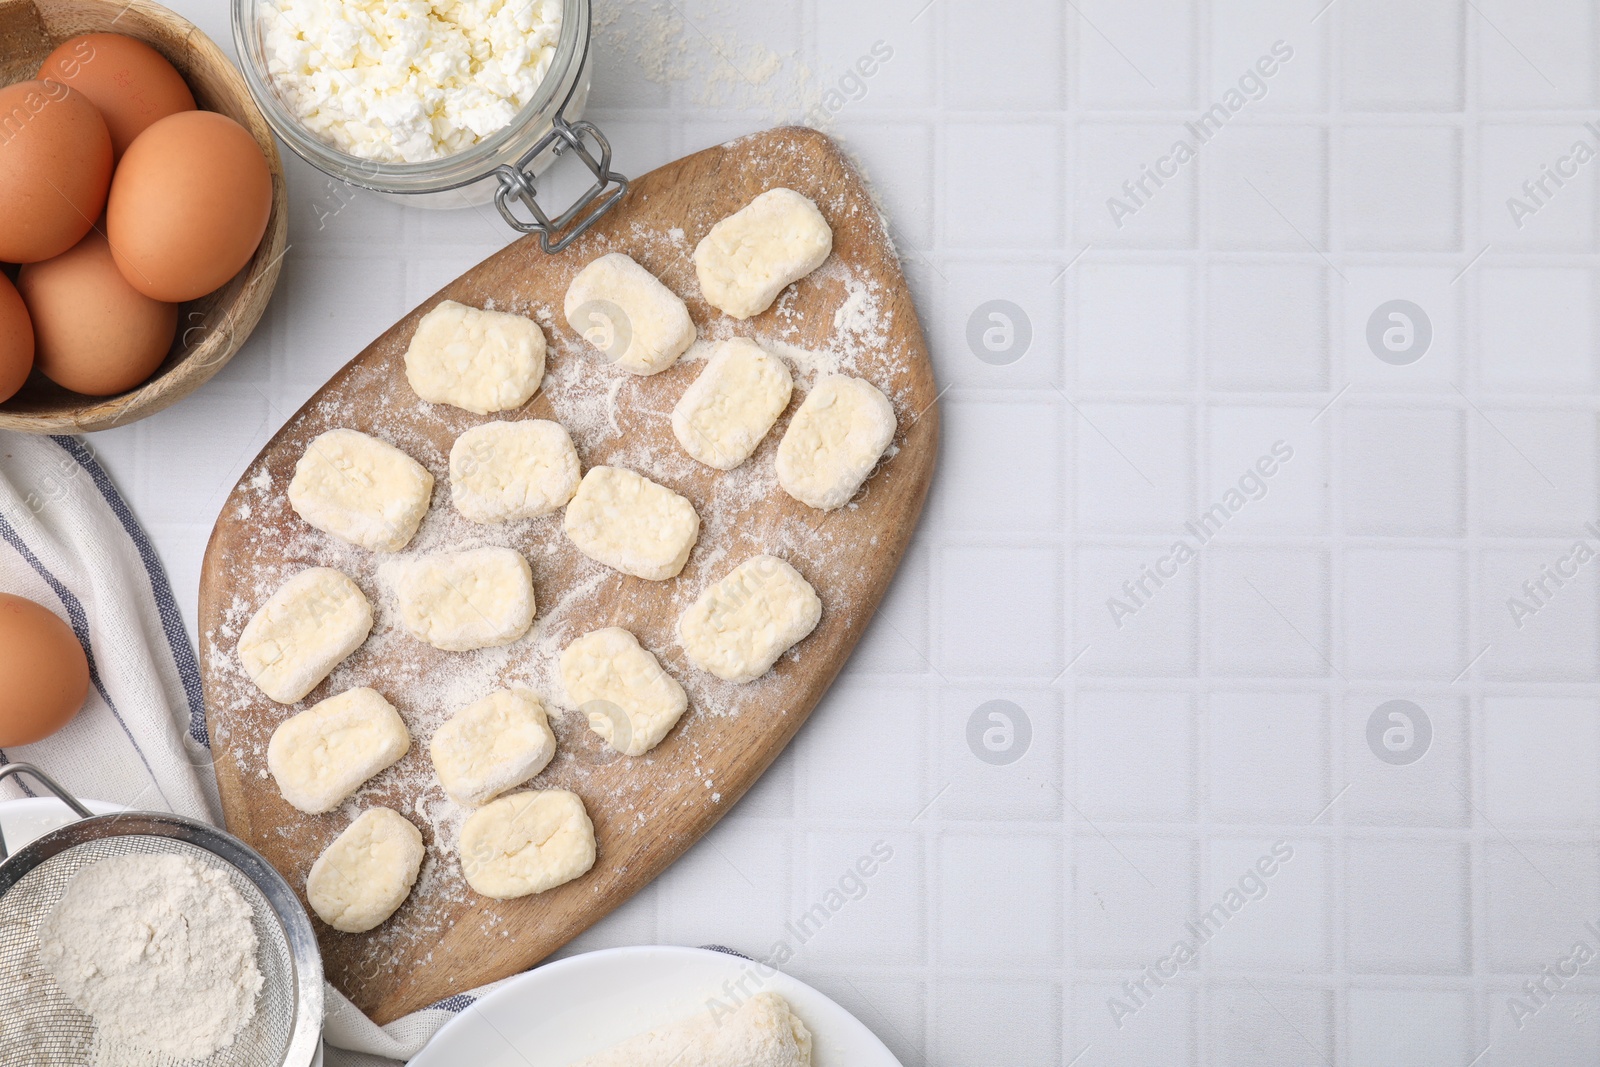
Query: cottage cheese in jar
[406, 81]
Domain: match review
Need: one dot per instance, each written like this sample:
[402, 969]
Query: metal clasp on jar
[516, 184]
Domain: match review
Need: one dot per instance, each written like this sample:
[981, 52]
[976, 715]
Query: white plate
[26, 820]
[575, 1007]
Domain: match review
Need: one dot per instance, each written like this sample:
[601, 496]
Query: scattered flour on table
[158, 950]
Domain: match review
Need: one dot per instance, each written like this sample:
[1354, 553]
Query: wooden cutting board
[854, 315]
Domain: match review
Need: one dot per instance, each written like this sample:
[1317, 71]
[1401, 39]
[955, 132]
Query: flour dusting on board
[840, 320]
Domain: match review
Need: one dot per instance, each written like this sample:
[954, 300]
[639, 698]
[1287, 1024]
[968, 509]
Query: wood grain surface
[854, 314]
[212, 328]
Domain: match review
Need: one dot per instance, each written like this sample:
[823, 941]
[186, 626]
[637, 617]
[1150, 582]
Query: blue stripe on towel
[166, 604]
[726, 951]
[80, 626]
[457, 1004]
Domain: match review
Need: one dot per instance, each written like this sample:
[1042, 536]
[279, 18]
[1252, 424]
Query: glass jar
[500, 168]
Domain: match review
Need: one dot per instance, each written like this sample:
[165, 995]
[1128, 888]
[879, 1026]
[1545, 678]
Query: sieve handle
[49, 783]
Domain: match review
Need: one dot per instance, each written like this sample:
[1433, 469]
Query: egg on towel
[44, 674]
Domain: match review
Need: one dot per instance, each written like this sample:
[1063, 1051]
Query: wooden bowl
[211, 329]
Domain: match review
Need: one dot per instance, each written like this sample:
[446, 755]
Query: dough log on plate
[512, 470]
[763, 1032]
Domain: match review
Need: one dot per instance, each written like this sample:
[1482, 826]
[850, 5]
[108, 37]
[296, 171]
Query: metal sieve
[41, 1028]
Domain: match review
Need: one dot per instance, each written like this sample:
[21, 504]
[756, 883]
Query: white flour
[158, 950]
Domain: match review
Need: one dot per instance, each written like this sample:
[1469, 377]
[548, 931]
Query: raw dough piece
[763, 1032]
[725, 413]
[629, 700]
[491, 746]
[303, 632]
[834, 441]
[460, 601]
[624, 311]
[321, 756]
[526, 843]
[752, 255]
[628, 522]
[360, 489]
[740, 626]
[367, 873]
[482, 361]
[512, 470]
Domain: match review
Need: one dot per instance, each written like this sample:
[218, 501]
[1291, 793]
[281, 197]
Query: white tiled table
[1231, 710]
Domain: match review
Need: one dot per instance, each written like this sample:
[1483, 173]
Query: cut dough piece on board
[834, 441]
[739, 627]
[303, 632]
[461, 601]
[482, 361]
[763, 1032]
[512, 470]
[632, 524]
[321, 756]
[630, 701]
[360, 489]
[526, 843]
[624, 311]
[491, 746]
[367, 873]
[752, 255]
[724, 414]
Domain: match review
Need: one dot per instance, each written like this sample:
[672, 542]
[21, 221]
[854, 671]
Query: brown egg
[131, 83]
[188, 205]
[16, 340]
[95, 333]
[44, 675]
[55, 168]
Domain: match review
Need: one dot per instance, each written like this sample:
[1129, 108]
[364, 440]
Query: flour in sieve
[158, 950]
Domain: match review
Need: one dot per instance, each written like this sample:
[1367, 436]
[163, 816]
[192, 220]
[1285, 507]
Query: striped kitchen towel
[69, 542]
